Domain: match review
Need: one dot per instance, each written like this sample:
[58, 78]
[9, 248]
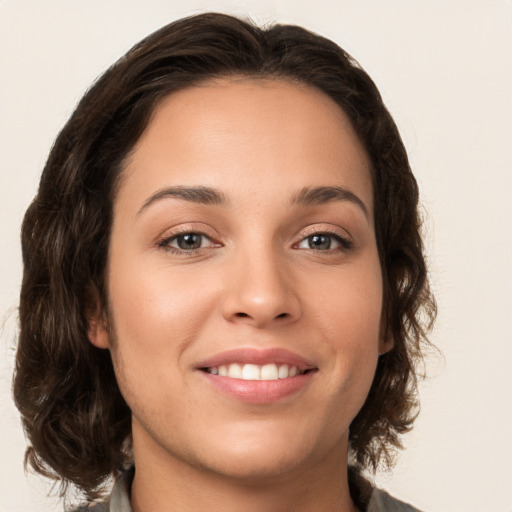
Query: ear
[386, 342]
[97, 325]
[98, 333]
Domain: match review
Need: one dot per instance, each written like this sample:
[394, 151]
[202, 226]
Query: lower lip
[259, 391]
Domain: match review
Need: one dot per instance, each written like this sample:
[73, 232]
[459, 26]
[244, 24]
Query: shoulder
[119, 500]
[98, 507]
[369, 498]
[381, 501]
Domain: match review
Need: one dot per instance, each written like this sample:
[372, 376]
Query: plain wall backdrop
[444, 68]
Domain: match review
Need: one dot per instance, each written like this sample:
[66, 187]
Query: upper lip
[257, 356]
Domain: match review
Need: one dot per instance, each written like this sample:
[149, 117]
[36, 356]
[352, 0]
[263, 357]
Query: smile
[258, 376]
[248, 371]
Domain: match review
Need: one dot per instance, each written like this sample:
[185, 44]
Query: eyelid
[344, 236]
[187, 227]
[163, 240]
[327, 229]
[172, 233]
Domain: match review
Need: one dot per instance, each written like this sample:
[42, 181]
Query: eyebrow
[201, 195]
[310, 196]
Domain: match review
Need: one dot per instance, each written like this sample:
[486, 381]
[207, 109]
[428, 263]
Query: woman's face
[245, 290]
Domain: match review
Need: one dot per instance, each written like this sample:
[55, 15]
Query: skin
[254, 282]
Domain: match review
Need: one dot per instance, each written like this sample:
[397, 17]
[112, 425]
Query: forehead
[225, 131]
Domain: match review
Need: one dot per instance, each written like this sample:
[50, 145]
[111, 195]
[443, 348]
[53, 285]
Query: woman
[224, 286]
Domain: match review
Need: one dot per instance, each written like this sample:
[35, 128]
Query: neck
[169, 483]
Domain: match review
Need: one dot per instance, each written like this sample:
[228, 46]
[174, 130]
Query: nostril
[241, 314]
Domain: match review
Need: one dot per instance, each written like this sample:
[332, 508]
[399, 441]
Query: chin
[258, 467]
[259, 456]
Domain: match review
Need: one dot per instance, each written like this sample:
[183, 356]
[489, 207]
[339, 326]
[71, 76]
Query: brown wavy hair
[72, 410]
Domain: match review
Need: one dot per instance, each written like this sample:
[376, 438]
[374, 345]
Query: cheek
[157, 312]
[350, 303]
[348, 313]
[156, 316]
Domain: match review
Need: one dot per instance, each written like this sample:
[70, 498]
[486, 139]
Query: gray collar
[376, 501]
[120, 499]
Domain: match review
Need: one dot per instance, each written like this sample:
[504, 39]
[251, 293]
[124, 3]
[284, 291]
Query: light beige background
[444, 68]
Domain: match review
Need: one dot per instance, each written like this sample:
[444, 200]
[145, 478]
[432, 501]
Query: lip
[258, 391]
[259, 357]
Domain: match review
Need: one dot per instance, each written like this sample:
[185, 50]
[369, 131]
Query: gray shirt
[370, 498]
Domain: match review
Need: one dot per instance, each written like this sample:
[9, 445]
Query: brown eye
[186, 242]
[190, 241]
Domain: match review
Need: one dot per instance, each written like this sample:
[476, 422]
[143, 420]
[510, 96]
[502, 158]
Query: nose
[260, 291]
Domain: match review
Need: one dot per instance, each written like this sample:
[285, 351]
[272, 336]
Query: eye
[324, 242]
[186, 242]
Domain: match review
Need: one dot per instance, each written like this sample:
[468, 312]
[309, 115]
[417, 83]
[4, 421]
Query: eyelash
[165, 242]
[345, 244]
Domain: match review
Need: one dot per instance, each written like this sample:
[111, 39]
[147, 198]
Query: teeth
[251, 372]
[283, 372]
[269, 372]
[235, 371]
[255, 372]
